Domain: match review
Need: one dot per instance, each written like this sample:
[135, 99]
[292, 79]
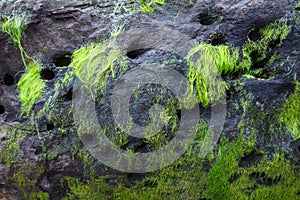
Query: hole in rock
[3, 139]
[50, 127]
[8, 79]
[38, 150]
[229, 95]
[69, 95]
[2, 109]
[218, 39]
[250, 159]
[298, 148]
[136, 53]
[62, 61]
[274, 43]
[207, 19]
[254, 34]
[47, 74]
[263, 179]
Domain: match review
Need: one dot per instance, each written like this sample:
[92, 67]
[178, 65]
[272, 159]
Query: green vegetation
[14, 27]
[28, 187]
[149, 7]
[269, 178]
[88, 59]
[39, 196]
[271, 36]
[30, 86]
[204, 59]
[203, 73]
[290, 115]
[225, 167]
[297, 7]
[226, 58]
[11, 145]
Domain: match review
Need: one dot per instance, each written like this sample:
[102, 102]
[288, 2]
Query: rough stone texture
[54, 32]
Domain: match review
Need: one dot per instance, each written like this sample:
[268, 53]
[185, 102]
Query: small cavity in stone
[218, 39]
[136, 53]
[8, 79]
[62, 61]
[69, 95]
[254, 34]
[50, 127]
[47, 74]
[207, 19]
[2, 110]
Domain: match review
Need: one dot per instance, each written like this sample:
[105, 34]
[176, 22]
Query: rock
[51, 150]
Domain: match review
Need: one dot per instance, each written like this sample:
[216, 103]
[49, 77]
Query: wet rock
[57, 28]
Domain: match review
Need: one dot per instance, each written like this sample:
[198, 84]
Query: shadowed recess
[254, 34]
[8, 79]
[47, 74]
[50, 127]
[62, 60]
[2, 109]
[218, 39]
[69, 95]
[207, 19]
[136, 53]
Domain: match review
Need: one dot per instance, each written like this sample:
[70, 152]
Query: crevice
[8, 79]
[136, 53]
[2, 110]
[62, 60]
[254, 34]
[207, 19]
[47, 74]
[218, 39]
[69, 95]
[50, 127]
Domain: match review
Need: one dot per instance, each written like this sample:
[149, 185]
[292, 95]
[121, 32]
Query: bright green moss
[225, 58]
[148, 7]
[274, 33]
[11, 145]
[271, 36]
[204, 62]
[39, 196]
[290, 115]
[225, 166]
[268, 178]
[92, 189]
[93, 63]
[298, 5]
[14, 27]
[31, 86]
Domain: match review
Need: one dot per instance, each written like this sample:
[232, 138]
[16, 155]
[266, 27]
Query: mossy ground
[290, 115]
[270, 178]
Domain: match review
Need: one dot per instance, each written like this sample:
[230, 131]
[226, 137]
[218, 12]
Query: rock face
[37, 153]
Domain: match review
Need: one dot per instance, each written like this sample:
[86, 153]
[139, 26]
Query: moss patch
[204, 62]
[148, 7]
[272, 36]
[30, 86]
[290, 115]
[187, 178]
[86, 62]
